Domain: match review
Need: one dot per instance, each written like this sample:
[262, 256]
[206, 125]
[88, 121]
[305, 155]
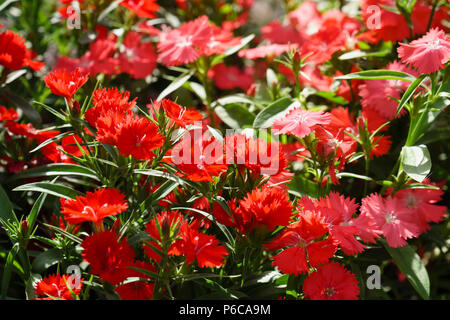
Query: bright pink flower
[265, 51]
[376, 94]
[423, 203]
[179, 46]
[300, 122]
[389, 215]
[427, 54]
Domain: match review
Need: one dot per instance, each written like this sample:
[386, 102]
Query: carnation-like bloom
[331, 282]
[179, 46]
[8, 114]
[423, 202]
[427, 54]
[168, 221]
[65, 84]
[199, 156]
[195, 245]
[337, 211]
[180, 115]
[389, 215]
[57, 287]
[300, 122]
[108, 99]
[108, 258]
[378, 94]
[142, 8]
[303, 245]
[138, 138]
[138, 58]
[137, 289]
[267, 207]
[95, 206]
[12, 50]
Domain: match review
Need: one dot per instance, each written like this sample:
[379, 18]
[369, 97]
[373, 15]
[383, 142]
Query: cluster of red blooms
[14, 54]
[300, 238]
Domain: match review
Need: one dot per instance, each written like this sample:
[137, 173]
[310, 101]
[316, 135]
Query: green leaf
[35, 210]
[416, 161]
[410, 264]
[54, 139]
[362, 54]
[58, 190]
[378, 75]
[235, 115]
[232, 50]
[56, 169]
[331, 96]
[51, 110]
[7, 270]
[353, 175]
[265, 118]
[177, 83]
[166, 188]
[162, 174]
[6, 210]
[410, 92]
[46, 259]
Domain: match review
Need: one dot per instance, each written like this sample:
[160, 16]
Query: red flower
[230, 77]
[199, 156]
[303, 245]
[13, 51]
[138, 138]
[258, 155]
[57, 154]
[195, 245]
[265, 208]
[138, 58]
[108, 258]
[428, 53]
[95, 206]
[168, 221]
[142, 8]
[57, 286]
[8, 114]
[331, 282]
[300, 122]
[108, 99]
[137, 289]
[180, 115]
[337, 211]
[64, 83]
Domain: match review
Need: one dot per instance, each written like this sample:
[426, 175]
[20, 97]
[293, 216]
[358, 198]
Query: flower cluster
[183, 150]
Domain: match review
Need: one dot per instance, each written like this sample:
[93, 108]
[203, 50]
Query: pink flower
[396, 222]
[300, 122]
[267, 50]
[376, 94]
[429, 53]
[423, 203]
[179, 46]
